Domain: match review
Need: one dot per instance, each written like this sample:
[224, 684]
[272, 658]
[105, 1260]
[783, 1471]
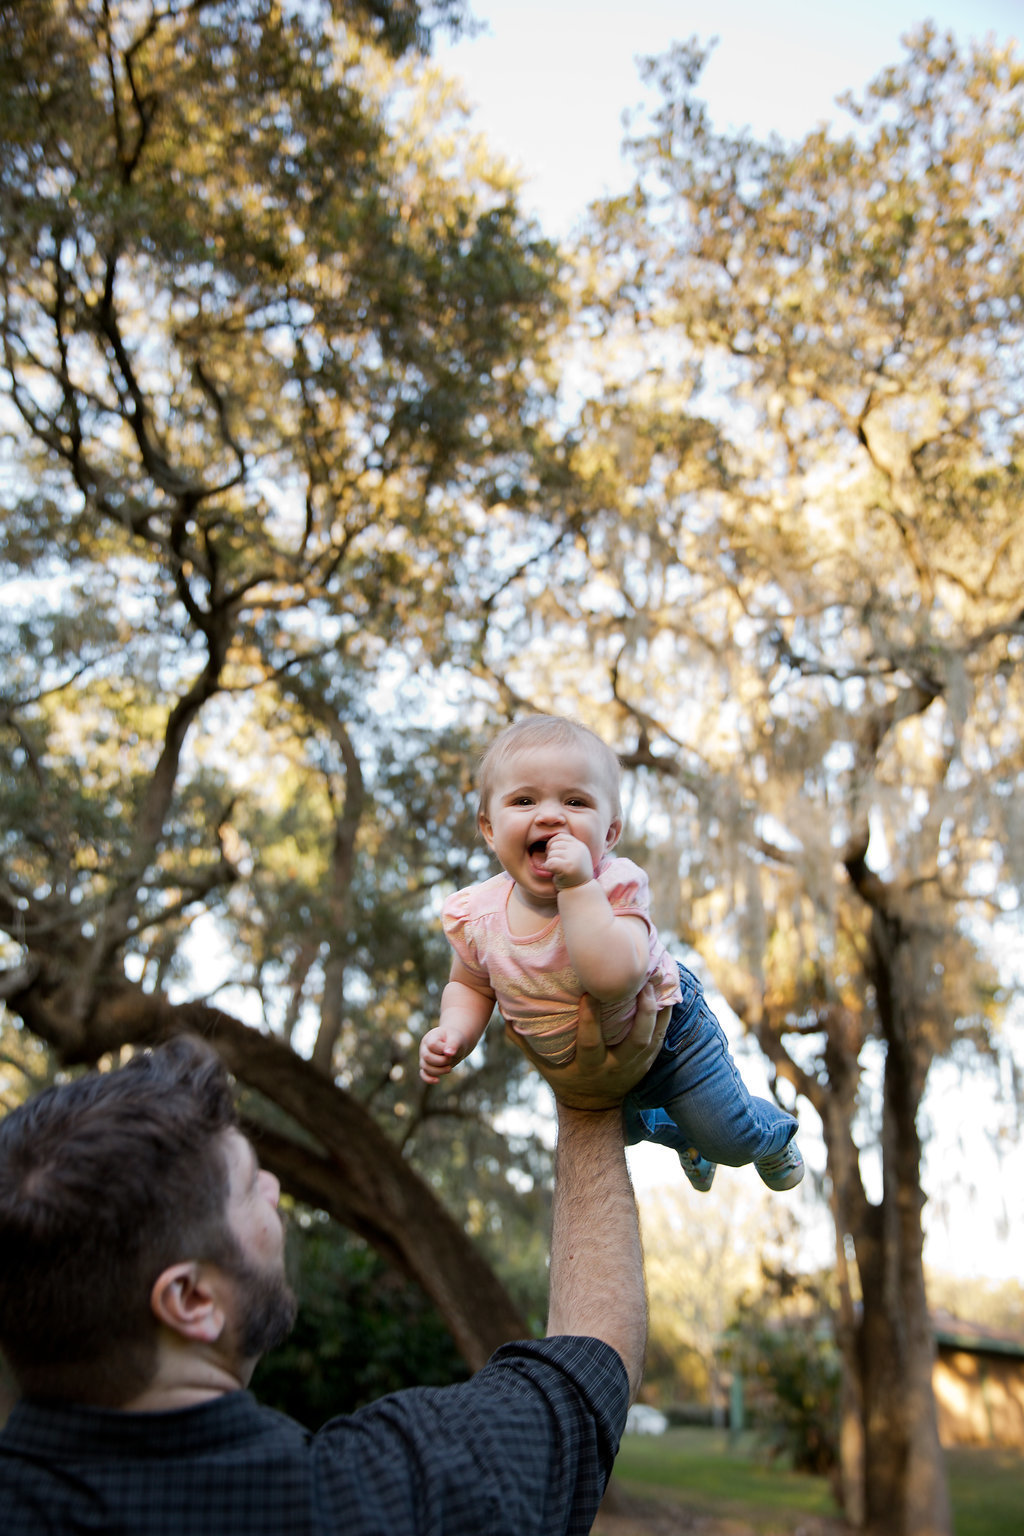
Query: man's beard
[265, 1308]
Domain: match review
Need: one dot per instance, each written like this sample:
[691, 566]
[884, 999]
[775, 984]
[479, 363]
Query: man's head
[107, 1184]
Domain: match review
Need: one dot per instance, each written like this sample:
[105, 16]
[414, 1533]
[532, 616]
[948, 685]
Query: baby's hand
[568, 861]
[440, 1050]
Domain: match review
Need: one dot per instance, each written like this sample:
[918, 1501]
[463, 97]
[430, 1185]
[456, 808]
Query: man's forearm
[597, 1277]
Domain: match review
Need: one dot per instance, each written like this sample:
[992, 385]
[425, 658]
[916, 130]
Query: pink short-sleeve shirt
[537, 991]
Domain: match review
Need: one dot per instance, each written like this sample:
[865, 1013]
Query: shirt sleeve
[525, 1448]
[627, 888]
[629, 892]
[462, 934]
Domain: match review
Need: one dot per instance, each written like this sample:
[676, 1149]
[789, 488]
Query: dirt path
[658, 1517]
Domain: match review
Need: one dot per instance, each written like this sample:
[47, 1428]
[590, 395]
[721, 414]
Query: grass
[704, 1470]
[987, 1489]
[711, 1475]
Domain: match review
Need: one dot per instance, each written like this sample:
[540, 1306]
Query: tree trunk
[894, 1471]
[851, 1406]
[340, 1160]
[905, 1489]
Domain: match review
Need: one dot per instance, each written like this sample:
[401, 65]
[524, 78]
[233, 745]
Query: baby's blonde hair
[544, 731]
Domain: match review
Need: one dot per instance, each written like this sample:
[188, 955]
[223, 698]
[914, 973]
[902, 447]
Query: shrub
[783, 1343]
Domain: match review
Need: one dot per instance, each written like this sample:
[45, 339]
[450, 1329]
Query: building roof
[975, 1338]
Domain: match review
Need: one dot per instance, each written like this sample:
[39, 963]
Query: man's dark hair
[104, 1182]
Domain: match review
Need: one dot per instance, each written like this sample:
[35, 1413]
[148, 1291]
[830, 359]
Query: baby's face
[534, 796]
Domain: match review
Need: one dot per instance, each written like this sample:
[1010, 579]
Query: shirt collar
[71, 1429]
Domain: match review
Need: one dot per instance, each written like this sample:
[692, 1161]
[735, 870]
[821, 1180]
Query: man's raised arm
[597, 1277]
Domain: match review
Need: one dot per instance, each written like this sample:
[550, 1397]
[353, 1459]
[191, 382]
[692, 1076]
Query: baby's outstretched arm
[608, 950]
[466, 1008]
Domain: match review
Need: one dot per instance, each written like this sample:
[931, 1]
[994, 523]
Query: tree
[700, 1264]
[782, 1340]
[362, 1331]
[272, 333]
[795, 605]
[994, 1304]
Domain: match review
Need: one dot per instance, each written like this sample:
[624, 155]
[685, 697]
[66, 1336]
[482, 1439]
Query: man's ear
[186, 1299]
[613, 834]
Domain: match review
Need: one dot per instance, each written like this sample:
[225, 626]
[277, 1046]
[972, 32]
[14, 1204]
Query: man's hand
[599, 1076]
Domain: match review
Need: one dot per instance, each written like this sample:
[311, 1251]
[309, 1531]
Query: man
[142, 1275]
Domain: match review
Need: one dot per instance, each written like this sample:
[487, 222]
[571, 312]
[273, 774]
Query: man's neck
[185, 1381]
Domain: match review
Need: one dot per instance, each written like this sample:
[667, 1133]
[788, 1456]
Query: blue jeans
[693, 1096]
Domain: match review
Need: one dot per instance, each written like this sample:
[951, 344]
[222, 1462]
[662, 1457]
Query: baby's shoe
[697, 1169]
[782, 1170]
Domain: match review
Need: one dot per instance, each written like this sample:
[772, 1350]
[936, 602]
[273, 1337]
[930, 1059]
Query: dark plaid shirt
[524, 1448]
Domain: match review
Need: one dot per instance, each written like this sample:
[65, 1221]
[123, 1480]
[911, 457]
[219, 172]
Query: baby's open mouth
[538, 849]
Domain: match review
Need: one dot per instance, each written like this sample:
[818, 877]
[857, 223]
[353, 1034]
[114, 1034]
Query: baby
[566, 918]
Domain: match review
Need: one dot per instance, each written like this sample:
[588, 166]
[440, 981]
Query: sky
[549, 81]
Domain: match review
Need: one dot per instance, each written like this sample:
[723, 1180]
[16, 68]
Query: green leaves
[264, 336]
